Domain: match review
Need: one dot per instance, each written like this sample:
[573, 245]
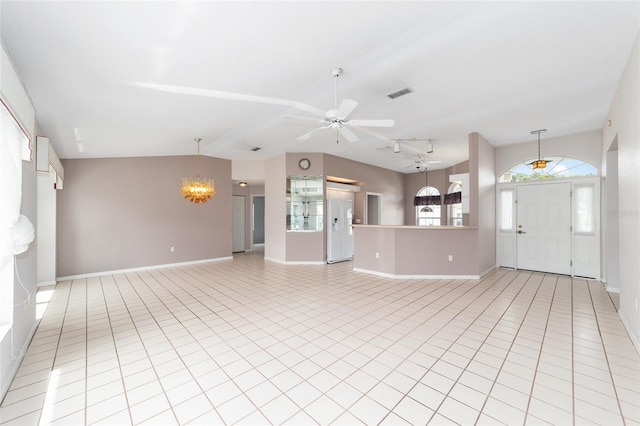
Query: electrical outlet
[377, 255]
[450, 258]
[172, 249]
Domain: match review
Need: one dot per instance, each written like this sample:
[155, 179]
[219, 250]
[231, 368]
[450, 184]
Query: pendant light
[426, 200]
[539, 163]
[197, 190]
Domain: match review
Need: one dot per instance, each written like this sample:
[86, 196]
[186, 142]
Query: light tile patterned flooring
[246, 341]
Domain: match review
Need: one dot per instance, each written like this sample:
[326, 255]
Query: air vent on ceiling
[400, 92]
[257, 148]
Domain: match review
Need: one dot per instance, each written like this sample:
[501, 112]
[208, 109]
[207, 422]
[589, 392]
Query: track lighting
[429, 147]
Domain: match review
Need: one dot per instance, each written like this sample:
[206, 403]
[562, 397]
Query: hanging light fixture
[426, 200]
[539, 163]
[197, 190]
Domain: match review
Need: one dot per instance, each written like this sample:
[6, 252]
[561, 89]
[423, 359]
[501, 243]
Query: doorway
[237, 244]
[257, 220]
[373, 207]
[543, 234]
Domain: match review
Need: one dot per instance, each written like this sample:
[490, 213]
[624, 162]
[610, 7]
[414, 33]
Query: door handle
[520, 231]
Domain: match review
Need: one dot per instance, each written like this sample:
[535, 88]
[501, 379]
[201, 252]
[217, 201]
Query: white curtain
[15, 233]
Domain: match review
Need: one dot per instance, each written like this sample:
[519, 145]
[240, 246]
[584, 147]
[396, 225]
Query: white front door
[543, 231]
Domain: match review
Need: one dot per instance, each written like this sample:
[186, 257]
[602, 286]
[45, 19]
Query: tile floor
[245, 341]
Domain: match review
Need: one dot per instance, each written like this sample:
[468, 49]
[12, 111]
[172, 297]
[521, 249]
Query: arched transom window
[558, 167]
[428, 215]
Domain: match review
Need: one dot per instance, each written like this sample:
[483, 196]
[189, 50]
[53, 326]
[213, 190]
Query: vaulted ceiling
[115, 79]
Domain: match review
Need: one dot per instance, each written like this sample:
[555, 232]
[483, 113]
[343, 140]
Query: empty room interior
[320, 212]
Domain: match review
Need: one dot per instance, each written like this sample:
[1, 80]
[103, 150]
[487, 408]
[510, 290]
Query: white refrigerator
[339, 230]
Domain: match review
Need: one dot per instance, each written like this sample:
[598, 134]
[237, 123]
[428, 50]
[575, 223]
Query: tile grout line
[604, 351]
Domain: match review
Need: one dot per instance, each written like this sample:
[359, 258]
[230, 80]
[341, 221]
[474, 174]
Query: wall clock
[304, 163]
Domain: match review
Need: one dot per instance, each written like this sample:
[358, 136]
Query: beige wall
[374, 179]
[275, 209]
[625, 128]
[121, 213]
[482, 199]
[425, 251]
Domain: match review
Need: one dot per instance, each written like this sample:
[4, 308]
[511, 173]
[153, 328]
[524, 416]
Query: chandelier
[539, 163]
[197, 190]
[426, 200]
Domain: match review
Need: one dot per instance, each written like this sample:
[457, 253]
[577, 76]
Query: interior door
[543, 230]
[238, 224]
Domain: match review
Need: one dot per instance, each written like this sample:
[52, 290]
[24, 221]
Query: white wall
[24, 319]
[611, 221]
[46, 226]
[623, 125]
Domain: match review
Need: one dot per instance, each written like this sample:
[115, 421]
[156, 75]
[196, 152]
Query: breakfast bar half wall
[425, 252]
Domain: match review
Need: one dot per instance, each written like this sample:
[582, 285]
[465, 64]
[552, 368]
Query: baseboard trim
[417, 277]
[301, 262]
[488, 271]
[14, 370]
[142, 268]
[46, 284]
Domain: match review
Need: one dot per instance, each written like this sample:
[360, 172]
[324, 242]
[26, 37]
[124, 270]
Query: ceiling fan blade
[372, 133]
[371, 123]
[347, 133]
[308, 135]
[304, 118]
[346, 107]
[231, 95]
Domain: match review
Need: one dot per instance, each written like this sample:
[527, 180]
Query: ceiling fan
[338, 118]
[420, 163]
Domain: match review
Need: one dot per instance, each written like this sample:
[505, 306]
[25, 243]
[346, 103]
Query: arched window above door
[558, 167]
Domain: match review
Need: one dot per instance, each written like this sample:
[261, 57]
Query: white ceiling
[498, 68]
